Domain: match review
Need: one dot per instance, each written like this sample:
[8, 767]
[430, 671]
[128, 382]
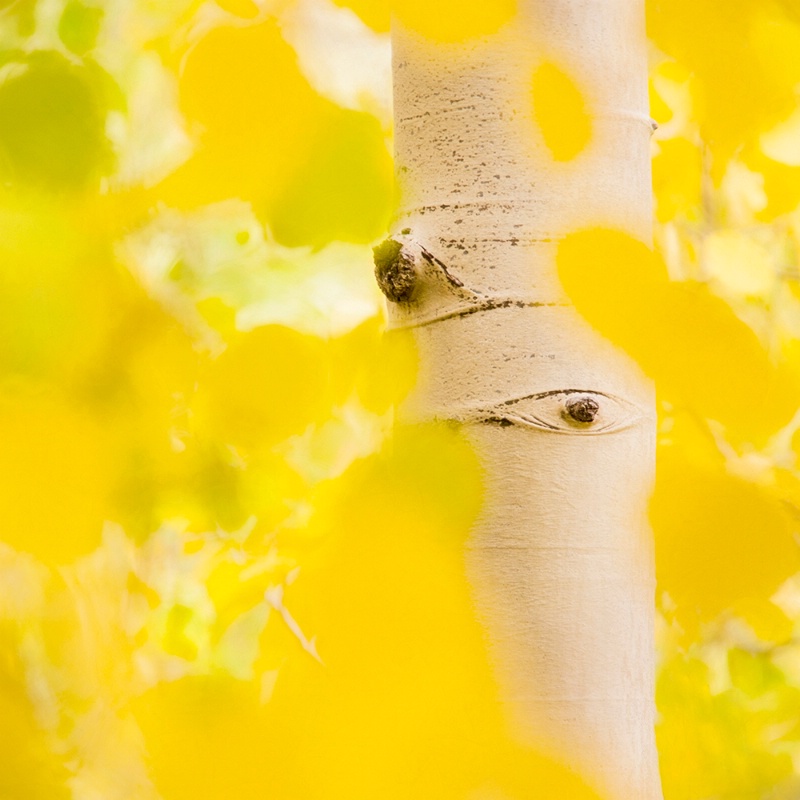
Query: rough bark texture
[561, 559]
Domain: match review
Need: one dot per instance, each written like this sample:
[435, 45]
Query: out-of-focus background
[199, 501]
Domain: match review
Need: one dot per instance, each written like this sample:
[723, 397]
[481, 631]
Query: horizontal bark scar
[488, 305]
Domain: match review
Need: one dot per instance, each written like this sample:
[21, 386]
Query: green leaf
[752, 673]
[343, 191]
[79, 27]
[52, 123]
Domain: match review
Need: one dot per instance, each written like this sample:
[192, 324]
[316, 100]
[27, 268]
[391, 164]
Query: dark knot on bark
[395, 271]
[582, 409]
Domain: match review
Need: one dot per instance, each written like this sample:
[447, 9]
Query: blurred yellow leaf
[233, 592]
[177, 641]
[782, 142]
[659, 108]
[381, 365]
[218, 315]
[241, 8]
[30, 769]
[677, 179]
[560, 111]
[253, 115]
[141, 385]
[56, 477]
[269, 384]
[781, 184]
[719, 539]
[743, 55]
[709, 744]
[775, 40]
[205, 737]
[58, 295]
[201, 485]
[386, 606]
[450, 21]
[315, 171]
[242, 84]
[739, 262]
[690, 341]
[374, 13]
[767, 621]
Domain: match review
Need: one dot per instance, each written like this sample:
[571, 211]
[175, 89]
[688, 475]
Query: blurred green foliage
[52, 121]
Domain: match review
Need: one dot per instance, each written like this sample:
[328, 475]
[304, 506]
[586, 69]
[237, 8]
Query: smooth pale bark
[561, 559]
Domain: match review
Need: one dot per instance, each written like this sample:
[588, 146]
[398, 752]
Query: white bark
[561, 560]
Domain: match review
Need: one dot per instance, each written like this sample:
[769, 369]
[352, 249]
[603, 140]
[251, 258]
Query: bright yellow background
[220, 576]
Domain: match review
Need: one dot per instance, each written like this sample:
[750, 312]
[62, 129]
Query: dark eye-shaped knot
[580, 411]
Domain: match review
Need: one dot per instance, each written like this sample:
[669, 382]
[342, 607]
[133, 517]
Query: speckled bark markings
[560, 560]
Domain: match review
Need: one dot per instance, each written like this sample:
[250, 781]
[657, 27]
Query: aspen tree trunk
[560, 561]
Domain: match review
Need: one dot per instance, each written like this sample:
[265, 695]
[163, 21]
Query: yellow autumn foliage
[451, 21]
[28, 765]
[560, 112]
[223, 572]
[375, 701]
[688, 339]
